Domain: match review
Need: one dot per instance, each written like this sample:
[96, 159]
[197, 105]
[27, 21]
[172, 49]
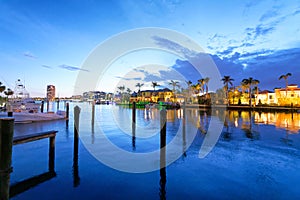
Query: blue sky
[46, 42]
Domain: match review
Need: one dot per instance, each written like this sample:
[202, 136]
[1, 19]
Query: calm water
[256, 156]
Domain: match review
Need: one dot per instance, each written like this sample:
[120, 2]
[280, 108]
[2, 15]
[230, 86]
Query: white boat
[21, 101]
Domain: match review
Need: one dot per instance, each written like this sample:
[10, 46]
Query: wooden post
[163, 179]
[9, 110]
[47, 105]
[133, 112]
[76, 140]
[163, 120]
[67, 111]
[51, 153]
[133, 124]
[162, 184]
[76, 129]
[6, 140]
[57, 108]
[184, 130]
[93, 113]
[42, 107]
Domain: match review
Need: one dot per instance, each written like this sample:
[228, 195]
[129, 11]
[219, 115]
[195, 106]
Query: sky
[48, 42]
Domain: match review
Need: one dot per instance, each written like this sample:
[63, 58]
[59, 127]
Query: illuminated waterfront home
[281, 96]
[164, 95]
[288, 96]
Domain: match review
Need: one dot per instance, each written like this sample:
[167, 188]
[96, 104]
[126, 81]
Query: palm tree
[121, 88]
[201, 83]
[227, 80]
[285, 77]
[189, 83]
[256, 90]
[206, 80]
[139, 85]
[174, 84]
[249, 82]
[154, 84]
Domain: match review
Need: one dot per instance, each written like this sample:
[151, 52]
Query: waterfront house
[164, 95]
[288, 96]
[265, 97]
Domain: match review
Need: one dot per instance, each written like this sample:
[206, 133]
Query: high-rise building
[50, 92]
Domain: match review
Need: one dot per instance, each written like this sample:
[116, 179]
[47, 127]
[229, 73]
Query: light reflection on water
[257, 152]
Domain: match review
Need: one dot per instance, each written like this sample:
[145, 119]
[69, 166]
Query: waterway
[255, 155]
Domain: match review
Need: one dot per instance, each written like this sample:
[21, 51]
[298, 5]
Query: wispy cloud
[173, 46]
[72, 68]
[46, 66]
[129, 79]
[296, 12]
[269, 14]
[259, 30]
[29, 55]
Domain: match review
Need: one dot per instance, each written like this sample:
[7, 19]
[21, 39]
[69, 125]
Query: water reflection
[287, 121]
[233, 155]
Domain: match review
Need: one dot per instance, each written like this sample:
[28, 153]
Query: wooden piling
[6, 141]
[57, 108]
[133, 112]
[163, 120]
[42, 107]
[51, 153]
[76, 140]
[93, 113]
[9, 110]
[67, 111]
[184, 130]
[47, 105]
[163, 134]
[133, 125]
[76, 130]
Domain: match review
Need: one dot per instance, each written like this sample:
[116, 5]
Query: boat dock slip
[34, 117]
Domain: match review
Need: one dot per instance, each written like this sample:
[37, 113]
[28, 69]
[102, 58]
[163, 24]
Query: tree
[139, 85]
[121, 88]
[206, 80]
[154, 84]
[2, 87]
[189, 83]
[174, 85]
[227, 80]
[285, 77]
[256, 91]
[249, 82]
[201, 83]
[8, 93]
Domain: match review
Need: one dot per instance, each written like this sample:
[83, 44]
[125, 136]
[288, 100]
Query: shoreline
[247, 108]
